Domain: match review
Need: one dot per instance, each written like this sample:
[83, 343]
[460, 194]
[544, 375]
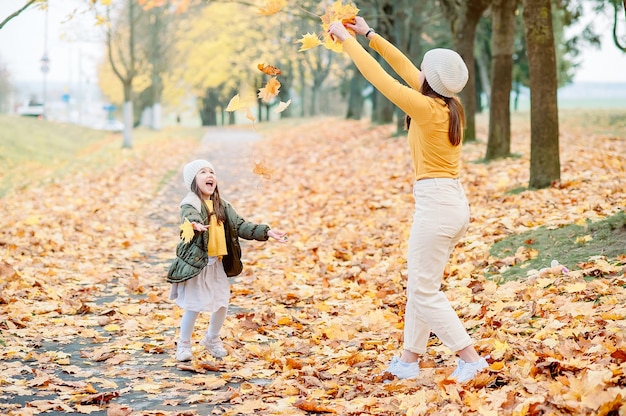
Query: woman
[435, 121]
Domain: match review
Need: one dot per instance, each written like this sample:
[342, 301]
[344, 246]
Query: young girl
[435, 121]
[199, 274]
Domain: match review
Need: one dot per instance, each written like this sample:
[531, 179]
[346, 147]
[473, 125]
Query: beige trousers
[440, 220]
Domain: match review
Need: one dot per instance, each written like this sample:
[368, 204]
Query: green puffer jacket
[192, 257]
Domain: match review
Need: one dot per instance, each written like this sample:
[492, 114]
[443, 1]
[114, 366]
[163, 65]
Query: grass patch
[606, 122]
[570, 245]
[34, 151]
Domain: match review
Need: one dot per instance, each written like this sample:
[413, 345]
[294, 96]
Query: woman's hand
[279, 236]
[338, 31]
[360, 26]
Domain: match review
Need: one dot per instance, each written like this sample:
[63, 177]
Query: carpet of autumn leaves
[314, 322]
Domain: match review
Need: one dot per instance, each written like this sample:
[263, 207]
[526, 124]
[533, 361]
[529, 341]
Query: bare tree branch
[17, 13]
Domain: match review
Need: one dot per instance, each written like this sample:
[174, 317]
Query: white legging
[441, 218]
[189, 320]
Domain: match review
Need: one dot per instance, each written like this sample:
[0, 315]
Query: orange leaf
[270, 90]
[269, 69]
[262, 170]
[308, 406]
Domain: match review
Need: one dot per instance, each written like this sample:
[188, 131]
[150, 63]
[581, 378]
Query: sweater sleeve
[398, 61]
[410, 100]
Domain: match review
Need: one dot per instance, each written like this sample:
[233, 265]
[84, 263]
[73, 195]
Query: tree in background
[122, 56]
[5, 88]
[463, 18]
[545, 166]
[503, 40]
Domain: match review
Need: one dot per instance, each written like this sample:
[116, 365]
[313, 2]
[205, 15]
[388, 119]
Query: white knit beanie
[191, 169]
[445, 71]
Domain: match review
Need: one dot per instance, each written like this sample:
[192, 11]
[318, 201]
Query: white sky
[72, 50]
[22, 46]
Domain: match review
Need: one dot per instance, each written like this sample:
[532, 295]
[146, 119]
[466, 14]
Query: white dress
[207, 292]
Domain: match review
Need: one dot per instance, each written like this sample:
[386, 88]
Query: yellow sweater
[217, 235]
[433, 155]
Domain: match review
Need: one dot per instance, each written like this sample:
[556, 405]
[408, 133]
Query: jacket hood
[193, 200]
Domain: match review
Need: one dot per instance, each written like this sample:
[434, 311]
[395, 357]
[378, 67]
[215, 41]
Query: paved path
[229, 151]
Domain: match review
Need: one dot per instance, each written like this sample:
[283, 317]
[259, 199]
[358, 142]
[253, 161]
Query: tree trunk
[127, 115]
[355, 96]
[502, 44]
[464, 17]
[545, 165]
[383, 110]
[130, 70]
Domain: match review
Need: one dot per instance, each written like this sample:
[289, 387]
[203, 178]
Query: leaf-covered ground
[314, 322]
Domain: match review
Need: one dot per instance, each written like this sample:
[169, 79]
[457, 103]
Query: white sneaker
[183, 351]
[466, 371]
[403, 370]
[214, 346]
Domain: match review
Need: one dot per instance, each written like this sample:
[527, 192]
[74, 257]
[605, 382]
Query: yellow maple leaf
[282, 106]
[338, 11]
[270, 90]
[332, 44]
[235, 104]
[272, 7]
[186, 231]
[309, 41]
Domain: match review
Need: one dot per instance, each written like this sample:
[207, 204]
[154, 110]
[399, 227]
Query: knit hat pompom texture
[445, 71]
[191, 169]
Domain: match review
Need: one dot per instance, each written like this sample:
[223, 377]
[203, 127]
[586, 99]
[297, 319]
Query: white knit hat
[445, 71]
[191, 169]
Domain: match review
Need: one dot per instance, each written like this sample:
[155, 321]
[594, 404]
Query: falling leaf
[269, 69]
[262, 170]
[282, 106]
[270, 90]
[249, 115]
[272, 7]
[235, 104]
[186, 231]
[308, 41]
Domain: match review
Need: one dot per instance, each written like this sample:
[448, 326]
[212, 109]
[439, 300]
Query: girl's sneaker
[214, 346]
[467, 371]
[403, 370]
[183, 351]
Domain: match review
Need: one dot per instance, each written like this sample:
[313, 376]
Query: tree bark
[545, 167]
[126, 76]
[464, 17]
[355, 95]
[502, 44]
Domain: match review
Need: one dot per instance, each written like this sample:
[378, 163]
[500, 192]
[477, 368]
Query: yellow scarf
[217, 236]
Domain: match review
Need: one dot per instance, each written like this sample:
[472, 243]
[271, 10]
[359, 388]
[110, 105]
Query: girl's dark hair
[218, 208]
[457, 114]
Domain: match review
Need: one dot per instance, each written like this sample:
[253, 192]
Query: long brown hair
[457, 114]
[218, 208]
